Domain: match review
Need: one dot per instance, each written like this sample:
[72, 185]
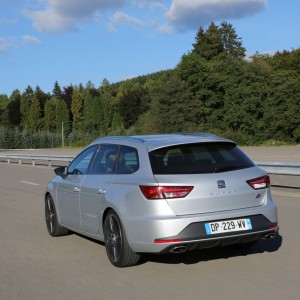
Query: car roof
[156, 141]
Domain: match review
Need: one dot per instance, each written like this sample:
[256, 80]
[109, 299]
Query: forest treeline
[213, 88]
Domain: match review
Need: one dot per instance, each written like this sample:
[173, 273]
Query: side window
[80, 164]
[106, 160]
[128, 161]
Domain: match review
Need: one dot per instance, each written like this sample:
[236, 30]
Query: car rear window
[198, 158]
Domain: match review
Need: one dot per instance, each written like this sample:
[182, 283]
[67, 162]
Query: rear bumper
[222, 240]
[159, 235]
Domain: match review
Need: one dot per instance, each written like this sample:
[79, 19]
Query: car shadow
[201, 255]
[197, 256]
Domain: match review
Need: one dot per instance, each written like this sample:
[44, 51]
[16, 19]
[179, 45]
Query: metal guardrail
[280, 168]
[277, 168]
[24, 158]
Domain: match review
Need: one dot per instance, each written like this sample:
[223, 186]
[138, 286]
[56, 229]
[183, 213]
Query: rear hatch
[217, 172]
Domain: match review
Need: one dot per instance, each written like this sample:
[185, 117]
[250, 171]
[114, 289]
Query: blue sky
[76, 41]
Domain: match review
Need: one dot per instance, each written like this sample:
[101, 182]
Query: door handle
[100, 191]
[76, 189]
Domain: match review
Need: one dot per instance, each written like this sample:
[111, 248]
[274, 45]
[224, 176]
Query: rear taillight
[260, 183]
[165, 192]
[162, 241]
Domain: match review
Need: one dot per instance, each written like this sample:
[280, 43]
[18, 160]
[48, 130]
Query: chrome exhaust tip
[268, 236]
[178, 249]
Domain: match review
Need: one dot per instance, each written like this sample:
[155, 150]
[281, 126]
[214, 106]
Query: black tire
[53, 226]
[117, 248]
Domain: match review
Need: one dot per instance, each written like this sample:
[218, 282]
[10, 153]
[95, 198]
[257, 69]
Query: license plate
[228, 226]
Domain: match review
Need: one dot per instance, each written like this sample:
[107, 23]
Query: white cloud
[56, 16]
[28, 39]
[122, 18]
[190, 14]
[7, 43]
[165, 28]
[151, 4]
[65, 15]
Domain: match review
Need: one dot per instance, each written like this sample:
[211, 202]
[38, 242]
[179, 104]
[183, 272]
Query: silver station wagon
[166, 193]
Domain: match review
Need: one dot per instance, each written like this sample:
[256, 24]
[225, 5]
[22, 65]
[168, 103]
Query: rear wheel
[116, 245]
[53, 226]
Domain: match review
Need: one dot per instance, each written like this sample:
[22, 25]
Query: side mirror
[60, 171]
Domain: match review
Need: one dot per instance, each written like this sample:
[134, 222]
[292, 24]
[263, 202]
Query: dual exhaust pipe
[182, 248]
[268, 236]
[178, 249]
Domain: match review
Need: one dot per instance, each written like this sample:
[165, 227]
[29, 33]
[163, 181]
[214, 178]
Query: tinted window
[106, 160]
[80, 164]
[128, 161]
[198, 159]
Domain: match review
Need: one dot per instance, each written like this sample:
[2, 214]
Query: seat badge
[221, 184]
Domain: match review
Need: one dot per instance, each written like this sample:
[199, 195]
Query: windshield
[198, 158]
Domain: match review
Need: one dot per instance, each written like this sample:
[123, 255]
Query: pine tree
[76, 108]
[209, 43]
[25, 103]
[232, 44]
[218, 42]
[50, 114]
[62, 115]
[34, 114]
[13, 107]
[57, 90]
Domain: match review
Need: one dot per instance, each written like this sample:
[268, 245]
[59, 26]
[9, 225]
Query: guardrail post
[20, 162]
[49, 163]
[33, 162]
[8, 160]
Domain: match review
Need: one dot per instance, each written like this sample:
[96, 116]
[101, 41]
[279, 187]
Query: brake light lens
[165, 192]
[260, 183]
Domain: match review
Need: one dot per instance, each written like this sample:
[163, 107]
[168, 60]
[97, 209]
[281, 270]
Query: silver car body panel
[82, 200]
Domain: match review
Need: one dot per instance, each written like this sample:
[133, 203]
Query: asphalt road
[34, 265]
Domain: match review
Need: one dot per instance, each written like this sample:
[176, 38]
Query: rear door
[95, 187]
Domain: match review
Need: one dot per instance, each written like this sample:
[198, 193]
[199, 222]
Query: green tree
[57, 92]
[209, 43]
[34, 123]
[88, 120]
[25, 103]
[219, 42]
[172, 108]
[76, 108]
[105, 106]
[62, 116]
[13, 107]
[42, 98]
[282, 109]
[232, 44]
[286, 60]
[4, 101]
[67, 95]
[50, 115]
[130, 96]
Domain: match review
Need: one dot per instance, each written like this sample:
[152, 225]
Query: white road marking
[31, 183]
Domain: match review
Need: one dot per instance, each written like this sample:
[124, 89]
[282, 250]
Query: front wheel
[116, 245]
[53, 226]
